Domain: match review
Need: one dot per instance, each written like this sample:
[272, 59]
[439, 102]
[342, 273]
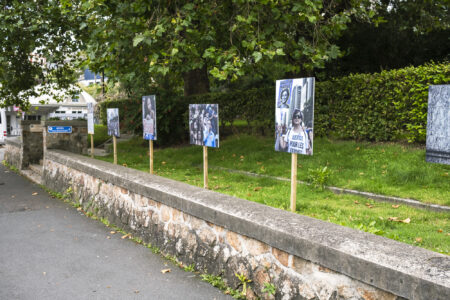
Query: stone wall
[13, 152]
[75, 142]
[303, 258]
[32, 142]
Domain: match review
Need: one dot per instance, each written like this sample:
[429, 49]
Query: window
[74, 111]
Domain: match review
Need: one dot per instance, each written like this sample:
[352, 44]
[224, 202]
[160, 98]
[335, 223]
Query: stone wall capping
[404, 270]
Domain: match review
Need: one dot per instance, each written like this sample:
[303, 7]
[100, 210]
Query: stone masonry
[211, 244]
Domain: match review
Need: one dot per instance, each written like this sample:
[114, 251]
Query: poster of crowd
[113, 122]
[294, 115]
[90, 118]
[204, 124]
[149, 117]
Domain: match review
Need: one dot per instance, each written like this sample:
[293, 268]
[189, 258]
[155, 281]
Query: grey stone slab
[401, 269]
[438, 125]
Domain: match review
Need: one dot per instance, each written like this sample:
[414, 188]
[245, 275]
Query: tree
[194, 40]
[37, 49]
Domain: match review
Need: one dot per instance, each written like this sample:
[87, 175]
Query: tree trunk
[196, 82]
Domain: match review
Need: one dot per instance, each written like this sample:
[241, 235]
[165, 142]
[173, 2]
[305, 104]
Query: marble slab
[438, 125]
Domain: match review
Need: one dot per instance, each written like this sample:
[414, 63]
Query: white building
[45, 107]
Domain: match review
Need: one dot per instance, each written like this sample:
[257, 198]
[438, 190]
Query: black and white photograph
[90, 118]
[294, 115]
[149, 117]
[204, 124]
[113, 122]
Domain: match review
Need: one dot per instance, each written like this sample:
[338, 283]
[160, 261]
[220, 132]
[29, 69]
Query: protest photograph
[113, 122]
[294, 115]
[149, 117]
[204, 124]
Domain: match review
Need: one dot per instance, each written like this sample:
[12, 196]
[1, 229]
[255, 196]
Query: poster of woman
[294, 115]
[113, 121]
[204, 124]
[149, 117]
[90, 118]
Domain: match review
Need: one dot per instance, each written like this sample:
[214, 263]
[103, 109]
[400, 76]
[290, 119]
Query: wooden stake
[151, 155]
[205, 167]
[92, 145]
[294, 182]
[115, 149]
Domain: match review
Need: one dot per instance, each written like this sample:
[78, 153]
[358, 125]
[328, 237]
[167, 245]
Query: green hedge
[386, 106]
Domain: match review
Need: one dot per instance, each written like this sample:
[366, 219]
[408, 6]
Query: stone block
[281, 256]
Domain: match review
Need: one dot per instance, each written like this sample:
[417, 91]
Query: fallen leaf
[356, 202]
[368, 204]
[164, 271]
[215, 177]
[440, 230]
[357, 148]
[44, 273]
[234, 155]
[112, 232]
[445, 174]
[362, 173]
[108, 286]
[241, 157]
[125, 236]
[108, 237]
[258, 188]
[136, 292]
[258, 163]
[163, 162]
[34, 194]
[217, 187]
[249, 194]
[13, 196]
[395, 219]
[395, 205]
[47, 207]
[125, 165]
[418, 239]
[407, 220]
[79, 208]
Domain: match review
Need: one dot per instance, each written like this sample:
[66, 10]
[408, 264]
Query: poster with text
[113, 122]
[90, 118]
[204, 124]
[149, 117]
[294, 115]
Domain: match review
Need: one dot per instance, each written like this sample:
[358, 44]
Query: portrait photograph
[149, 117]
[90, 118]
[294, 115]
[204, 124]
[113, 121]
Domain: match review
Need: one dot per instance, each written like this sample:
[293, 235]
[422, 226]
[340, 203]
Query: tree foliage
[37, 49]
[139, 40]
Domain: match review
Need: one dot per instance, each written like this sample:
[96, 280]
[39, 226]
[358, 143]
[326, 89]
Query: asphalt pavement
[49, 250]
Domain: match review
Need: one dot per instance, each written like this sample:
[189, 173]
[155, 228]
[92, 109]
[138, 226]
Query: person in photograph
[296, 140]
[284, 99]
[149, 121]
[209, 136]
[113, 123]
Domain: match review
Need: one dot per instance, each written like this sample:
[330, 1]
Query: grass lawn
[100, 135]
[391, 169]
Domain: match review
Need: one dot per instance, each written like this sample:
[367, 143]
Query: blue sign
[59, 129]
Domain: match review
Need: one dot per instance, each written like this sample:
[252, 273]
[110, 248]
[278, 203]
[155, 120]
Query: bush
[386, 106]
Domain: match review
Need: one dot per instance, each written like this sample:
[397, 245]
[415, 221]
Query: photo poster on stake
[90, 118]
[204, 125]
[149, 117]
[113, 121]
[294, 115]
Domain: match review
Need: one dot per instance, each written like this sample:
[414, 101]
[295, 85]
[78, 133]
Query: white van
[2, 126]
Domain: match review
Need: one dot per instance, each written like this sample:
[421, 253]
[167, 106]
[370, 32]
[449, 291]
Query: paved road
[49, 250]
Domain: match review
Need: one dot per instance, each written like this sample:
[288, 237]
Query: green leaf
[257, 56]
[138, 39]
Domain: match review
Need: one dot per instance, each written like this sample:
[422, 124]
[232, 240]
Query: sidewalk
[49, 250]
